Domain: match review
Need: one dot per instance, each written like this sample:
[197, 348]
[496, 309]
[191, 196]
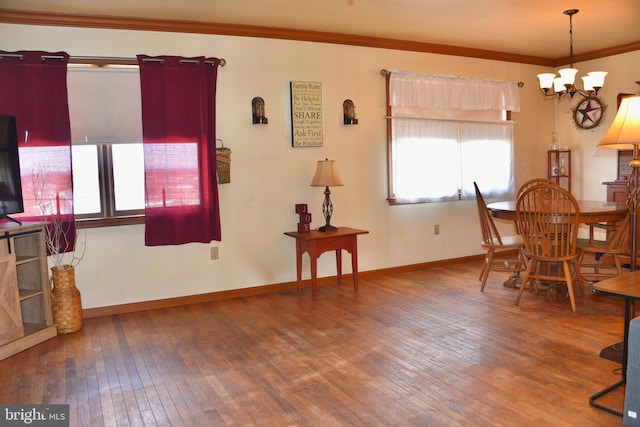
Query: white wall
[268, 176]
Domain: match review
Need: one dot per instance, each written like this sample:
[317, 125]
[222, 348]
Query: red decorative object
[305, 218]
[304, 227]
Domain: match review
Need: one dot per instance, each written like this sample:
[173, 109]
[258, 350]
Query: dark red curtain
[33, 87]
[178, 125]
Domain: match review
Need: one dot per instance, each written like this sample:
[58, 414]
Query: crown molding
[14, 16]
[601, 53]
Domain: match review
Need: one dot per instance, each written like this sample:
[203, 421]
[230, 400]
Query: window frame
[391, 199]
[108, 215]
[105, 168]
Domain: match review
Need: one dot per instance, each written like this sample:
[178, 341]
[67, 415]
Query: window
[107, 151]
[445, 133]
[108, 180]
[175, 178]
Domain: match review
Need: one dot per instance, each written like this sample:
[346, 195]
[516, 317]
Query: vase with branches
[65, 250]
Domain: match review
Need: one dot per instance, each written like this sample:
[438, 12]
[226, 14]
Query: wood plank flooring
[422, 348]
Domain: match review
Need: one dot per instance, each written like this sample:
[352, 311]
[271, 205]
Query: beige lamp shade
[624, 132]
[326, 174]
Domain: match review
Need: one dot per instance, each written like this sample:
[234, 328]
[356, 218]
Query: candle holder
[349, 112]
[258, 114]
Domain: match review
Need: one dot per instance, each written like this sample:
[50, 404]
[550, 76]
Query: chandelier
[553, 85]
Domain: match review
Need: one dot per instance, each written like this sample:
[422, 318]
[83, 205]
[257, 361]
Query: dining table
[591, 211]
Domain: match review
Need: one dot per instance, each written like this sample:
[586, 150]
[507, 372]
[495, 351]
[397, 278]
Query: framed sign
[306, 114]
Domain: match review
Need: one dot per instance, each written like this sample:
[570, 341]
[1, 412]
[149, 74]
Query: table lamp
[624, 134]
[327, 176]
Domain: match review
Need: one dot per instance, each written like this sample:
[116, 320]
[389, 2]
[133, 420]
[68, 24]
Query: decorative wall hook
[349, 112]
[257, 108]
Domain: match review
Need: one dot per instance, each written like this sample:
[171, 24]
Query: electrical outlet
[214, 253]
[436, 229]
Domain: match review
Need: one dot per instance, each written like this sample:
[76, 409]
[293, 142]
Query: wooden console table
[315, 243]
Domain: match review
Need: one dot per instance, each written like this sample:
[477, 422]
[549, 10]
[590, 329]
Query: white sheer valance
[445, 92]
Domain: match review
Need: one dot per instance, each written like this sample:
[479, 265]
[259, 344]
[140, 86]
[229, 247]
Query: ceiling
[536, 28]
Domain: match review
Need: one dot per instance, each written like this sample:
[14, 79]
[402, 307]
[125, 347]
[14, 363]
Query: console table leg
[314, 276]
[339, 266]
[354, 263]
[298, 265]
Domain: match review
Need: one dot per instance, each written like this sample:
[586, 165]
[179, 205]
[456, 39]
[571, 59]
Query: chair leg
[488, 260]
[579, 278]
[523, 258]
[525, 279]
[580, 260]
[575, 275]
[484, 266]
[616, 261]
[567, 275]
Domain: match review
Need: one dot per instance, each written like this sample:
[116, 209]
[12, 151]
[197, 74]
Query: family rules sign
[306, 114]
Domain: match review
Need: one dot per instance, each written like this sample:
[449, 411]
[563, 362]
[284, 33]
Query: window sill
[109, 222]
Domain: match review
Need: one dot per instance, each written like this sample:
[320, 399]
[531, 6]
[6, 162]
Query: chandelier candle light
[327, 176]
[565, 84]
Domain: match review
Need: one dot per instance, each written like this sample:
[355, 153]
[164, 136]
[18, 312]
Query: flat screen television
[10, 185]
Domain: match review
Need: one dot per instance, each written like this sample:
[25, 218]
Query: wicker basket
[223, 165]
[65, 300]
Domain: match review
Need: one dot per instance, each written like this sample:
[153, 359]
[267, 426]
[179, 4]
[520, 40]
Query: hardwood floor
[422, 348]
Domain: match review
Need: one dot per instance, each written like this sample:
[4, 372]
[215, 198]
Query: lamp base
[325, 228]
[613, 352]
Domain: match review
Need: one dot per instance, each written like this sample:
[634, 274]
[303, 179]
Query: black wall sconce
[349, 112]
[257, 107]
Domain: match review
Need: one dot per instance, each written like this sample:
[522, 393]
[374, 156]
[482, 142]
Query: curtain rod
[385, 73]
[444, 119]
[104, 59]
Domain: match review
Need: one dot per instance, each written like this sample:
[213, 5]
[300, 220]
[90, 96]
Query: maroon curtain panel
[33, 87]
[178, 126]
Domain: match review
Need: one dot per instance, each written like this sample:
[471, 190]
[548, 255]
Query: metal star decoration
[587, 114]
[588, 110]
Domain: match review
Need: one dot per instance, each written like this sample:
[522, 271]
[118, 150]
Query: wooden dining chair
[595, 266]
[548, 217]
[528, 184]
[494, 244]
[533, 182]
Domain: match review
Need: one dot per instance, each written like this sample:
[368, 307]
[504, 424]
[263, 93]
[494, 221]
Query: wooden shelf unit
[26, 317]
[555, 169]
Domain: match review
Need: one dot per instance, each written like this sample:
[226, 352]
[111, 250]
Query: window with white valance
[445, 132]
[443, 92]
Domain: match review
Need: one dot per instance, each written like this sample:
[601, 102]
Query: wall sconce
[257, 108]
[349, 112]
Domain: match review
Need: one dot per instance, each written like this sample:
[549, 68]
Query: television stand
[5, 216]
